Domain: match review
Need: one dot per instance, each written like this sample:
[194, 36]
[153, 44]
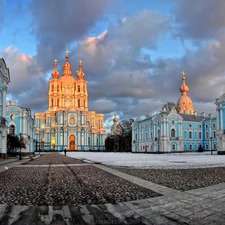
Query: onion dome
[55, 73]
[184, 103]
[67, 69]
[115, 120]
[80, 73]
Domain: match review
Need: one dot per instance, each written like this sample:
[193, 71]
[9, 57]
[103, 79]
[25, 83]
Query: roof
[193, 118]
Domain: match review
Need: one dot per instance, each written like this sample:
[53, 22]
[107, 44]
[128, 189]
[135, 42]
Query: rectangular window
[206, 147]
[207, 135]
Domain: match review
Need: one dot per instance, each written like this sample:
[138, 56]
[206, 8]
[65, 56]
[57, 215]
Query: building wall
[4, 80]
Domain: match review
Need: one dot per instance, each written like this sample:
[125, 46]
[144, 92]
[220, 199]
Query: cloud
[27, 86]
[199, 20]
[58, 24]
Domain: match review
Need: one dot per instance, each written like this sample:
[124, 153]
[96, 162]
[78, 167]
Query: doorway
[72, 142]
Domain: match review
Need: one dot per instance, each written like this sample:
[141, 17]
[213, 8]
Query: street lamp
[211, 145]
[20, 146]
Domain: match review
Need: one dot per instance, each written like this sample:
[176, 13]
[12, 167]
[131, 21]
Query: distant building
[68, 123]
[178, 129]
[21, 123]
[4, 80]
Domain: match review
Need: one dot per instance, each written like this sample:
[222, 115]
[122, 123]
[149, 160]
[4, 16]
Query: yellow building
[67, 123]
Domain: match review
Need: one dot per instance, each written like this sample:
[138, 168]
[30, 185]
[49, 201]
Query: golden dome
[184, 103]
[55, 73]
[80, 74]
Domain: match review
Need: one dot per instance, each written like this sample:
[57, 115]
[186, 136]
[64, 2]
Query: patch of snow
[166, 161]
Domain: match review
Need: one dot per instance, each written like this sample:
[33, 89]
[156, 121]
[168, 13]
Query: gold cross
[55, 60]
[183, 73]
[67, 51]
[77, 71]
[80, 62]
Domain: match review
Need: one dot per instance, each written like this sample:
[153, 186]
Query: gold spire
[67, 51]
[55, 63]
[80, 62]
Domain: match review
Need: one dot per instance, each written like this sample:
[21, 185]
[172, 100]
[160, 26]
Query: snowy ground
[177, 160]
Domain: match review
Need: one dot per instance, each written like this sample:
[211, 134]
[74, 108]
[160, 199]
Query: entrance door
[72, 142]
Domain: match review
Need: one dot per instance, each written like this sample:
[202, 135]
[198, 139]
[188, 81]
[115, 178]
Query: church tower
[184, 103]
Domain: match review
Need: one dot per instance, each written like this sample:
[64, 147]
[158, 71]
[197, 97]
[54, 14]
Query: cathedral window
[52, 88]
[136, 136]
[214, 146]
[200, 135]
[57, 87]
[190, 147]
[158, 133]
[78, 88]
[52, 102]
[173, 133]
[78, 102]
[173, 122]
[58, 102]
[189, 125]
[84, 88]
[214, 134]
[206, 126]
[190, 135]
[206, 147]
[173, 147]
[206, 135]
[146, 135]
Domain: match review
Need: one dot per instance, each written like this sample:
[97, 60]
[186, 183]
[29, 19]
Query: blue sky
[133, 51]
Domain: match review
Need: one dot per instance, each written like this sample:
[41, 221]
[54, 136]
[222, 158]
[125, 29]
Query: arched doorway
[72, 142]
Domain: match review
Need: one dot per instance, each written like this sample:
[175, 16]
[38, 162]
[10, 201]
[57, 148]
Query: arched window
[190, 147]
[173, 147]
[158, 133]
[78, 88]
[57, 87]
[84, 88]
[146, 135]
[200, 135]
[52, 87]
[136, 136]
[12, 130]
[58, 102]
[206, 135]
[173, 133]
[190, 135]
[78, 102]
[52, 102]
[214, 134]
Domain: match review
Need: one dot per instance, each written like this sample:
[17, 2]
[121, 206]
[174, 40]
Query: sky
[133, 51]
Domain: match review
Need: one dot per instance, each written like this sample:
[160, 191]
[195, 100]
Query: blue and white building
[4, 80]
[180, 129]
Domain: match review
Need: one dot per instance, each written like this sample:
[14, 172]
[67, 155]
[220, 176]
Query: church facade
[179, 128]
[68, 123]
[4, 80]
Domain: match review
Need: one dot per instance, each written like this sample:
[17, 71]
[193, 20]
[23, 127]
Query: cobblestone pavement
[198, 206]
[180, 179]
[55, 158]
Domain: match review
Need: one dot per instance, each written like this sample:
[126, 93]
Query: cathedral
[180, 128]
[68, 124]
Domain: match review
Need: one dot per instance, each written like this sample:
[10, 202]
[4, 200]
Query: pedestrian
[65, 151]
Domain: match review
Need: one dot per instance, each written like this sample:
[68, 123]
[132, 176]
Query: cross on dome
[183, 73]
[67, 51]
[80, 62]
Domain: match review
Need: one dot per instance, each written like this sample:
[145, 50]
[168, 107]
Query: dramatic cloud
[57, 24]
[26, 86]
[199, 19]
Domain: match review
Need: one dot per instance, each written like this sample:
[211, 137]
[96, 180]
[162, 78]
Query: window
[52, 88]
[141, 136]
[214, 146]
[200, 135]
[146, 136]
[206, 135]
[214, 134]
[158, 133]
[84, 88]
[78, 88]
[206, 147]
[214, 125]
[190, 147]
[200, 126]
[190, 135]
[172, 133]
[57, 87]
[52, 102]
[190, 125]
[173, 147]
[151, 134]
[12, 130]
[206, 126]
[58, 102]
[173, 122]
[78, 102]
[136, 136]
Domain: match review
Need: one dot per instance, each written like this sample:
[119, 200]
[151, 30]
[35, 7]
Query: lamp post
[211, 145]
[20, 146]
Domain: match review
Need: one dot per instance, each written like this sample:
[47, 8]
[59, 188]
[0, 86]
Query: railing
[174, 138]
[2, 120]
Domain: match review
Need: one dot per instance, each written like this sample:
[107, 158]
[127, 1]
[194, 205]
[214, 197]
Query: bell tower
[82, 93]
